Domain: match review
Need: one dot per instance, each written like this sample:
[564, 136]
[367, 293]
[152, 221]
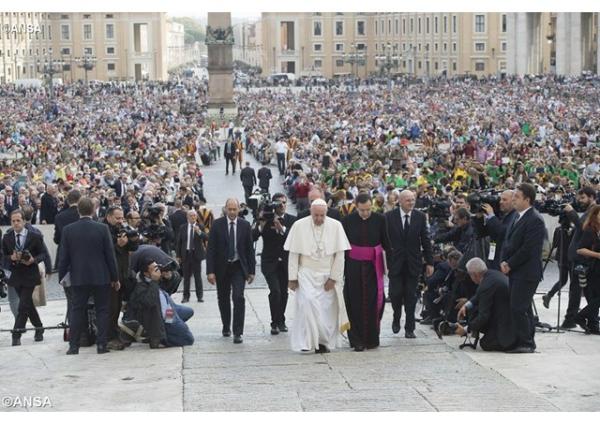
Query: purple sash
[374, 255]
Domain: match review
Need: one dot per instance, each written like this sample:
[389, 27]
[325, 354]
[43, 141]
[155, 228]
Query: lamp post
[49, 69]
[356, 56]
[389, 58]
[87, 63]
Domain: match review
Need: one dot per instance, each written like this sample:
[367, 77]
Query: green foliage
[193, 30]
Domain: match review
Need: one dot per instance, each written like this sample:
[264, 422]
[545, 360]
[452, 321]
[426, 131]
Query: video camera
[439, 208]
[478, 199]
[133, 237]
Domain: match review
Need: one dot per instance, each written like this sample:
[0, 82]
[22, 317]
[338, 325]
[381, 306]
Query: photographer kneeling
[461, 234]
[439, 286]
[163, 321]
[489, 309]
[589, 274]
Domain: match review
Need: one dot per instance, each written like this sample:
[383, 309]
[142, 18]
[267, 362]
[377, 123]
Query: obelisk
[219, 42]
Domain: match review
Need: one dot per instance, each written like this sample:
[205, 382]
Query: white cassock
[317, 254]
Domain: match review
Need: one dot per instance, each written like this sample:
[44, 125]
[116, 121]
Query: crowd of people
[138, 150]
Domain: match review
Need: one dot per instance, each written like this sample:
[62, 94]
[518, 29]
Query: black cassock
[364, 299]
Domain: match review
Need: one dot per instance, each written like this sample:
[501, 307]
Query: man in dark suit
[522, 262]
[49, 207]
[248, 178]
[496, 227]
[410, 242]
[10, 200]
[264, 178]
[22, 251]
[87, 255]
[177, 218]
[230, 156]
[120, 186]
[490, 308]
[66, 217]
[230, 262]
[274, 259]
[189, 250]
[317, 193]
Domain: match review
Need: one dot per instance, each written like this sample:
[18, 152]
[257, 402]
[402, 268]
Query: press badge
[492, 251]
[169, 314]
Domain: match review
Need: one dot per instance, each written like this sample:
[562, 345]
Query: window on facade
[504, 24]
[318, 47]
[65, 51]
[361, 46]
[403, 26]
[453, 47]
[339, 28]
[110, 66]
[419, 25]
[445, 24]
[427, 26]
[339, 63]
[435, 66]
[454, 66]
[66, 67]
[110, 31]
[317, 29]
[88, 51]
[435, 25]
[479, 23]
[360, 28]
[479, 66]
[110, 50]
[339, 47]
[504, 46]
[479, 47]
[436, 47]
[397, 26]
[318, 63]
[389, 26]
[419, 64]
[87, 16]
[64, 16]
[454, 23]
[87, 32]
[109, 16]
[412, 25]
[64, 32]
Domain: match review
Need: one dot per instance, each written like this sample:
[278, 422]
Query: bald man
[230, 264]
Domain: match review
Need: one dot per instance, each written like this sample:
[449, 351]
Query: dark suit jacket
[493, 310]
[218, 241]
[496, 228]
[14, 205]
[177, 219]
[411, 250]
[119, 188]
[248, 177]
[273, 241]
[522, 249]
[64, 218]
[23, 275]
[47, 258]
[264, 177]
[331, 213]
[229, 149]
[87, 252]
[49, 208]
[181, 251]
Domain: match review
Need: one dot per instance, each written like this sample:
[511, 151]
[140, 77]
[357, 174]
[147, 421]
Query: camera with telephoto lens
[478, 199]
[439, 208]
[581, 271]
[133, 237]
[266, 210]
[25, 255]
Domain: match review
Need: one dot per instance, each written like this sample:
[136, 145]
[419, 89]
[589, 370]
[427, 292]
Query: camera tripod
[563, 273]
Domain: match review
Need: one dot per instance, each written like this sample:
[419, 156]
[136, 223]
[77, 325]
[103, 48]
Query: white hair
[404, 193]
[476, 266]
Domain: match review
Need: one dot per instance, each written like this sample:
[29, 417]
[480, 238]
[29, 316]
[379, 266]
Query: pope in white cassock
[316, 269]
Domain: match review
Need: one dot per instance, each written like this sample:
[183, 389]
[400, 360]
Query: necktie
[191, 238]
[19, 241]
[406, 225]
[231, 249]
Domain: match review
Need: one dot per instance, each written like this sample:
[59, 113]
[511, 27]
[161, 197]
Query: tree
[192, 28]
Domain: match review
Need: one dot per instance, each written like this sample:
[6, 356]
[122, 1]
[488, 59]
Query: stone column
[219, 41]
[598, 45]
[568, 44]
[523, 37]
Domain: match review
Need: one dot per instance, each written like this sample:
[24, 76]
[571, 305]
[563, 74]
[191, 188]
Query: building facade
[246, 47]
[79, 46]
[360, 44]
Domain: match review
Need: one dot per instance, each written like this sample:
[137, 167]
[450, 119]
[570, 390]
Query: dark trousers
[247, 192]
[191, 268]
[115, 302]
[80, 296]
[275, 273]
[26, 309]
[231, 287]
[281, 163]
[229, 159]
[567, 274]
[521, 299]
[592, 295]
[403, 291]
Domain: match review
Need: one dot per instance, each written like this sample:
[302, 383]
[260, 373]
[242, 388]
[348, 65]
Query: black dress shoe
[39, 335]
[568, 324]
[274, 330]
[521, 349]
[200, 300]
[396, 327]
[322, 349]
[410, 335]
[226, 333]
[283, 328]
[582, 322]
[102, 349]
[16, 341]
[154, 343]
[359, 348]
[73, 351]
[185, 299]
[237, 339]
[546, 300]
[426, 321]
